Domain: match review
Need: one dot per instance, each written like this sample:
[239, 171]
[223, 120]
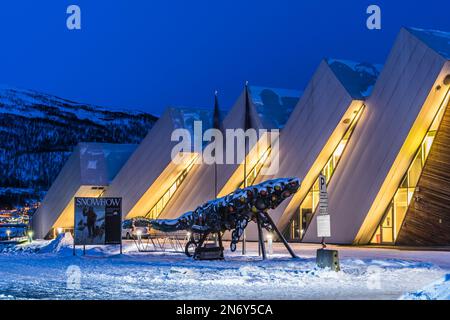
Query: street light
[269, 243]
[139, 234]
[447, 80]
[30, 236]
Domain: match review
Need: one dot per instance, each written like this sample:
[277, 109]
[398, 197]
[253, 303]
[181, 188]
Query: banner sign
[98, 221]
[323, 218]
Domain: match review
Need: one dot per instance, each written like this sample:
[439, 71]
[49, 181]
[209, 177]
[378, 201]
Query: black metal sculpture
[233, 212]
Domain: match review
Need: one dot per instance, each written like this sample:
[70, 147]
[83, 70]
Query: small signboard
[323, 226]
[323, 195]
[323, 218]
[98, 221]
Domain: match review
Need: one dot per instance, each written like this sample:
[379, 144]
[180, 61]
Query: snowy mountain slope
[38, 131]
[358, 78]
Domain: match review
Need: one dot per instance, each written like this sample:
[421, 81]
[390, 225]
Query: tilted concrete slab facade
[398, 114]
[150, 171]
[89, 170]
[331, 103]
[269, 108]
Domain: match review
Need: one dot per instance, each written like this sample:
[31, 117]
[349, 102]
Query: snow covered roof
[435, 39]
[274, 105]
[358, 78]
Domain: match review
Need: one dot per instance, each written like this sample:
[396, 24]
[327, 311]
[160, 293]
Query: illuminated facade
[308, 206]
[150, 179]
[87, 173]
[375, 194]
[392, 220]
[268, 108]
[380, 135]
[317, 133]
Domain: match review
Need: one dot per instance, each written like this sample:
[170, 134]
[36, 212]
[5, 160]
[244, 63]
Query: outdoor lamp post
[270, 242]
[30, 236]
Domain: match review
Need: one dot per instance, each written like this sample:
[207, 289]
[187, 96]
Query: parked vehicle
[135, 227]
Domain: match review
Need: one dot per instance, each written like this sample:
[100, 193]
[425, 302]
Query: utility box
[328, 259]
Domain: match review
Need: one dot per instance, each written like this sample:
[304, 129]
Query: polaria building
[379, 134]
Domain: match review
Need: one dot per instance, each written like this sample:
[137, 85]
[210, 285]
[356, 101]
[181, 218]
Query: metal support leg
[286, 244]
[200, 244]
[260, 236]
[219, 236]
[244, 244]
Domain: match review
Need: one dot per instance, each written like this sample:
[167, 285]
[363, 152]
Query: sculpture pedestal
[209, 252]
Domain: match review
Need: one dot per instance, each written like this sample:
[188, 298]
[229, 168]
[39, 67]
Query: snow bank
[439, 290]
[23, 248]
[63, 243]
[366, 274]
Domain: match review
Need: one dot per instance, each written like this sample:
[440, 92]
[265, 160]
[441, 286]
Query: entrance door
[387, 228]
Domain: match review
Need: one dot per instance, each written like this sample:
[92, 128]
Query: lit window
[159, 206]
[310, 202]
[253, 172]
[398, 206]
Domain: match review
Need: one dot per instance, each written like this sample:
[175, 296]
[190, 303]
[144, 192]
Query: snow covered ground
[48, 270]
[439, 290]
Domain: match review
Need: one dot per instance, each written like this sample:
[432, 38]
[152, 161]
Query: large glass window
[300, 221]
[159, 206]
[254, 171]
[396, 211]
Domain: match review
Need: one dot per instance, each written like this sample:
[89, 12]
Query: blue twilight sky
[148, 54]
